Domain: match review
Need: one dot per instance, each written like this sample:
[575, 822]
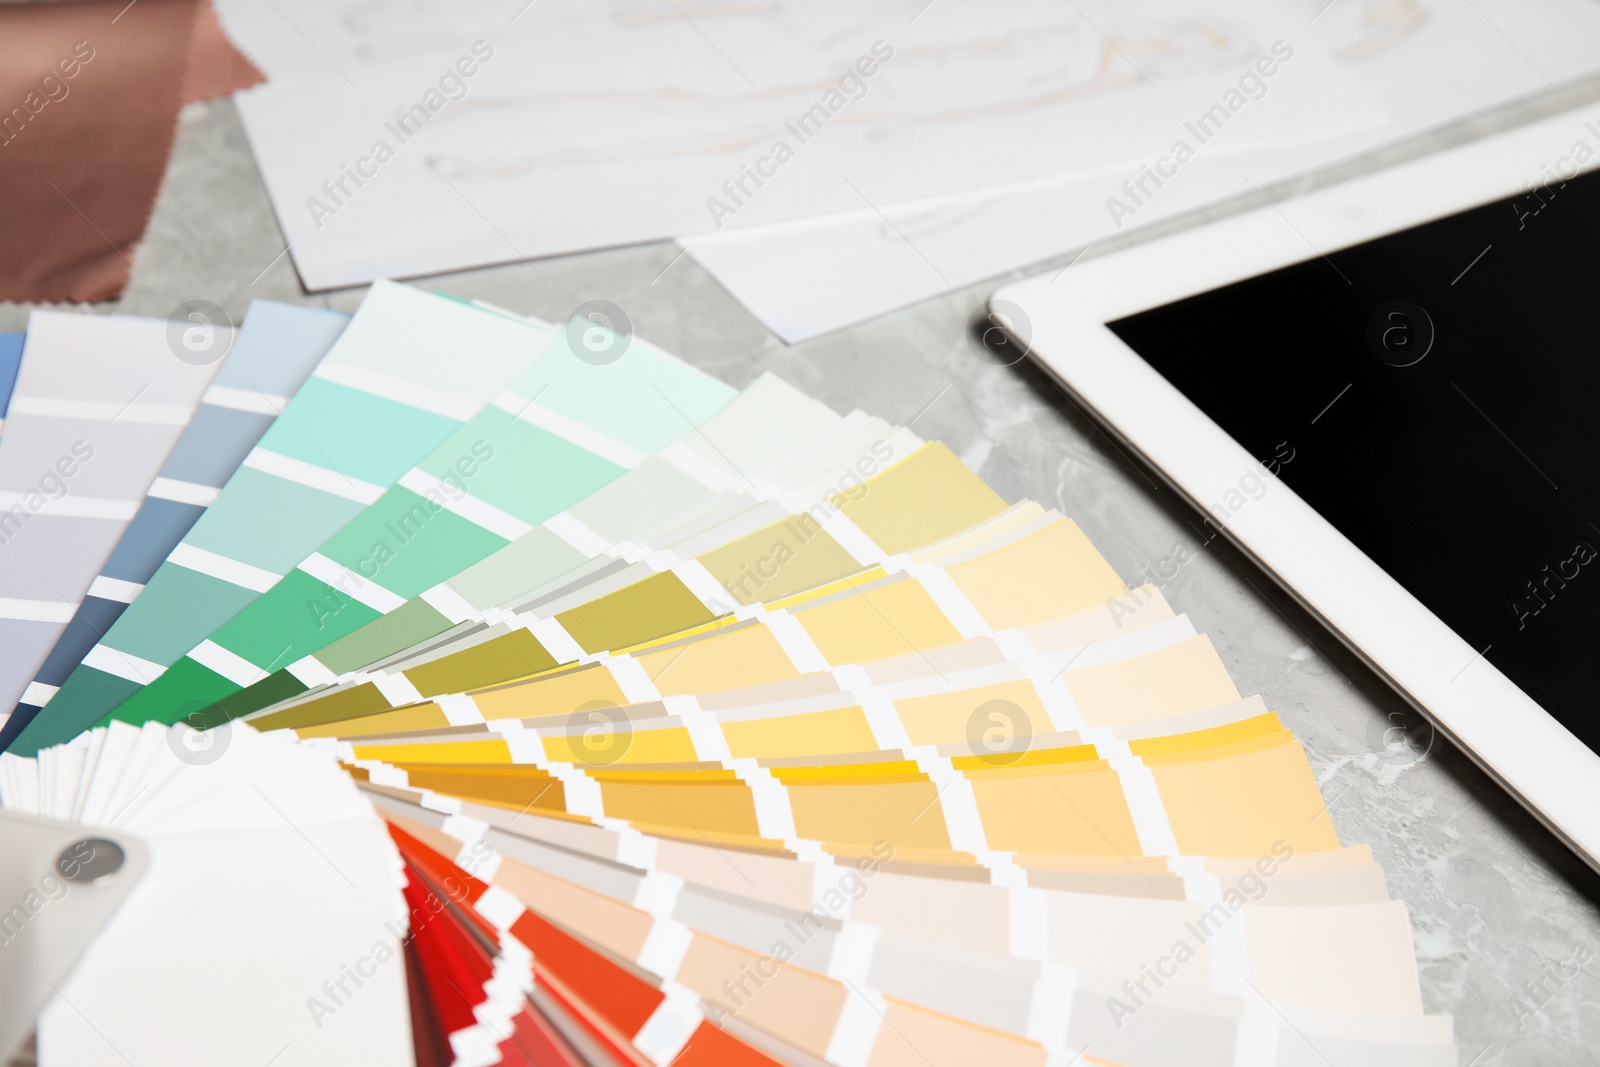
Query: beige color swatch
[1045, 575]
[1361, 957]
[1243, 798]
[1185, 677]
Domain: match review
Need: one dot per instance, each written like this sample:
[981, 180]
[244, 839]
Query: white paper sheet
[571, 125]
[1430, 62]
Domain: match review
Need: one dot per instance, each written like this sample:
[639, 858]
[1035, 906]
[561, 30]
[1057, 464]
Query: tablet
[1387, 393]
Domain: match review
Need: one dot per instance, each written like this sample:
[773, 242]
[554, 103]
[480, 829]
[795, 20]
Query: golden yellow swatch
[492, 750]
[619, 745]
[709, 802]
[525, 788]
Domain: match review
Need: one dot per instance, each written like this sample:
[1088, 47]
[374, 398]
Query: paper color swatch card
[276, 349]
[566, 710]
[234, 824]
[380, 399]
[98, 404]
[544, 443]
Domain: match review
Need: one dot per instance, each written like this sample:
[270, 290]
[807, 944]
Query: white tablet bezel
[1553, 773]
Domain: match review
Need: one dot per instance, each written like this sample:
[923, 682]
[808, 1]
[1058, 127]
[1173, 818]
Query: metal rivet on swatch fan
[90, 861]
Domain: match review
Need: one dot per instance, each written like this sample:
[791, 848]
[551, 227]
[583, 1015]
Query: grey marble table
[1496, 902]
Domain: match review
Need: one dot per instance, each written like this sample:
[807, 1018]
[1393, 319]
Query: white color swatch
[269, 875]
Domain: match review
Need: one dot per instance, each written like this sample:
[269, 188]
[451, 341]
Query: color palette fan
[708, 726]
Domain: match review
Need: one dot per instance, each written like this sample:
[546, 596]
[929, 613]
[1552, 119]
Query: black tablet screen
[1438, 391]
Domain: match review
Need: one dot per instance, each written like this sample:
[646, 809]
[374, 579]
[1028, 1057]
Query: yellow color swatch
[523, 788]
[498, 659]
[1045, 575]
[906, 814]
[616, 744]
[1243, 803]
[819, 733]
[925, 498]
[711, 803]
[995, 530]
[886, 620]
[487, 751]
[555, 694]
[1214, 741]
[779, 560]
[962, 715]
[748, 655]
[1077, 810]
[649, 608]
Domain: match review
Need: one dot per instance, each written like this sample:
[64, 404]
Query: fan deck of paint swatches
[708, 726]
